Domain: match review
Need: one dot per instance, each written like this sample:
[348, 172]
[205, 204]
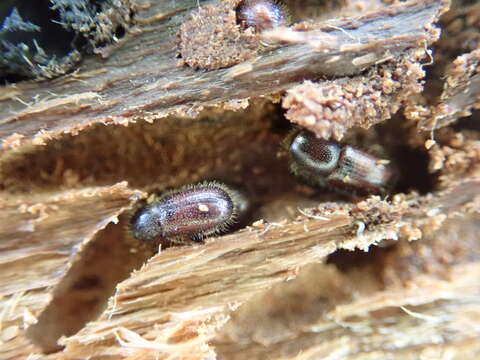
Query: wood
[141, 79]
[309, 274]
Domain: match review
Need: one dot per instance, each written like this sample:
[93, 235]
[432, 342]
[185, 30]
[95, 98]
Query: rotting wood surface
[140, 78]
[183, 295]
[273, 290]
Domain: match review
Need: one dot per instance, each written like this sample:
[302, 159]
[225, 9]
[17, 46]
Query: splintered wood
[42, 236]
[186, 298]
[307, 274]
[147, 83]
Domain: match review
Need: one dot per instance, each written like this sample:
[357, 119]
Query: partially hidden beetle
[338, 166]
[261, 14]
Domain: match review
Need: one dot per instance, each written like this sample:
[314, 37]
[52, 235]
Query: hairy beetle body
[194, 212]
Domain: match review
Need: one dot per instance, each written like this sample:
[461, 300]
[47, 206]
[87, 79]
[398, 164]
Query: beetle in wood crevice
[261, 14]
[338, 166]
[192, 212]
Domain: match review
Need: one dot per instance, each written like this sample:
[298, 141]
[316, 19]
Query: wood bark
[309, 274]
